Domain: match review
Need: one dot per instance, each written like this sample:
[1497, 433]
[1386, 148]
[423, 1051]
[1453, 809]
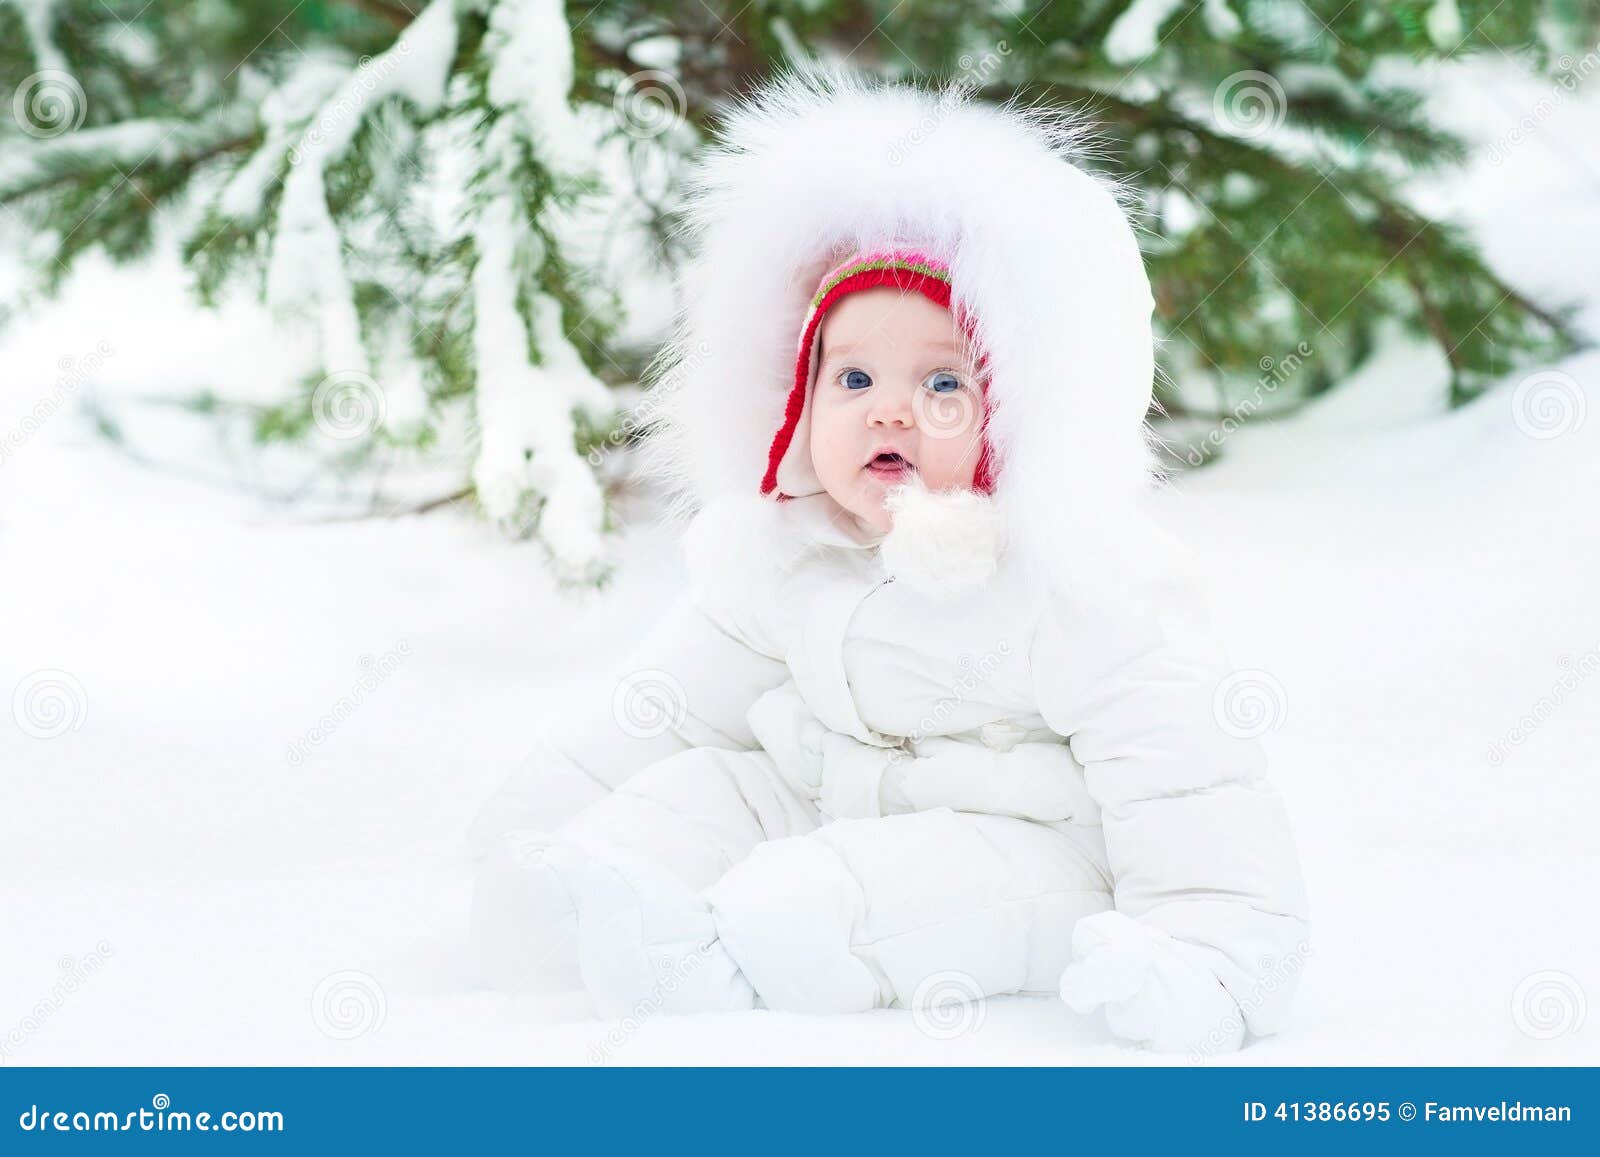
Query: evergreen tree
[405, 181]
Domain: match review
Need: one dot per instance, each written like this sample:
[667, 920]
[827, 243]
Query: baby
[929, 720]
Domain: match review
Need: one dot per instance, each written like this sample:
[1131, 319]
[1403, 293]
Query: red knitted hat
[904, 269]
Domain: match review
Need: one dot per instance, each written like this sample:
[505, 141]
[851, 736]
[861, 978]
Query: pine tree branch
[1556, 323]
[1383, 120]
[1248, 157]
[1399, 222]
[1434, 319]
[128, 147]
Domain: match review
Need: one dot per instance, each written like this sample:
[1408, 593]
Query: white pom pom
[941, 540]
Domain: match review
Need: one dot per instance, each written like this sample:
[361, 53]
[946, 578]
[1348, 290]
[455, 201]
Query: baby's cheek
[947, 425]
[949, 462]
[829, 461]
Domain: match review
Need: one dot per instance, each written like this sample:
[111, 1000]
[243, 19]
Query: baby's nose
[892, 407]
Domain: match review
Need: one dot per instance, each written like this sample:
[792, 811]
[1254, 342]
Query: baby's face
[895, 378]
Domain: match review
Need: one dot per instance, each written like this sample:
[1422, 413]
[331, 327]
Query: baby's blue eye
[855, 379]
[943, 382]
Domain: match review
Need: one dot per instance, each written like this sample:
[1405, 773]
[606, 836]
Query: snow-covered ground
[192, 872]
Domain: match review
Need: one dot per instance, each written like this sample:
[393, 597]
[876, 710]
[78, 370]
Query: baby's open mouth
[889, 465]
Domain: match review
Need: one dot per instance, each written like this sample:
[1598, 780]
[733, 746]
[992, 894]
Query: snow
[1221, 21]
[126, 145]
[1444, 24]
[1133, 35]
[283, 110]
[38, 19]
[530, 48]
[525, 410]
[178, 888]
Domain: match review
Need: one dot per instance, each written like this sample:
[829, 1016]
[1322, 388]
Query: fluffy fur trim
[942, 540]
[823, 162]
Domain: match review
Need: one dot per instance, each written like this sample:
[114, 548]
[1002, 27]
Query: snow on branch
[528, 464]
[38, 16]
[306, 277]
[128, 145]
[1136, 34]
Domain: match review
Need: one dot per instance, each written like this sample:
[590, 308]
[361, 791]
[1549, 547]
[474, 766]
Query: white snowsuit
[830, 781]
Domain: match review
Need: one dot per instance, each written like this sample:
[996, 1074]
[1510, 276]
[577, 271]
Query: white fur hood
[818, 164]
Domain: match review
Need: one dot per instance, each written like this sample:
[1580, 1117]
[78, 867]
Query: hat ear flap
[797, 474]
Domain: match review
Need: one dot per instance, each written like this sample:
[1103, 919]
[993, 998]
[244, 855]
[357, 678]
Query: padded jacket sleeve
[1198, 841]
[687, 683]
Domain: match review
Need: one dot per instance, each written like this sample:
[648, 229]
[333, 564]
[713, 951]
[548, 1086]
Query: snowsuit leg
[906, 909]
[618, 884]
[706, 883]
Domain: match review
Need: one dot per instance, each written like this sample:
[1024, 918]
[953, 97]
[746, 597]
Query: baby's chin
[867, 503]
[874, 514]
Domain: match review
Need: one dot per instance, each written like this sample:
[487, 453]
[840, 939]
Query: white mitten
[853, 778]
[1155, 989]
[841, 773]
[787, 730]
